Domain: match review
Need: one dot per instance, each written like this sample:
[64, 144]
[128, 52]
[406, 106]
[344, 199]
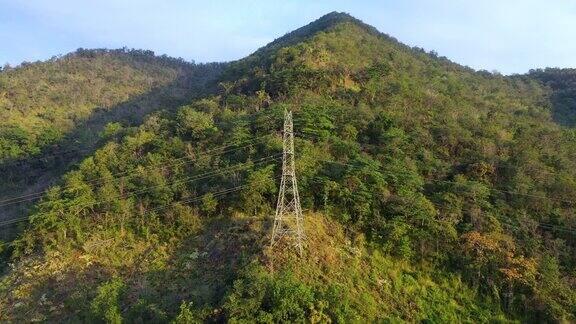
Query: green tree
[106, 305]
[196, 124]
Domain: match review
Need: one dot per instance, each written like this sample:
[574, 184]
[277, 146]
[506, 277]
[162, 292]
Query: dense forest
[43, 101]
[563, 96]
[431, 192]
[54, 113]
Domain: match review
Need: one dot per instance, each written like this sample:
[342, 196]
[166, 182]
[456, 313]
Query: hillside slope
[432, 192]
[54, 113]
[562, 83]
[41, 102]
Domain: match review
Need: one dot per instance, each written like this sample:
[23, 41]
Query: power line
[127, 174]
[13, 221]
[201, 176]
[543, 225]
[229, 190]
[216, 194]
[539, 224]
[54, 153]
[453, 182]
[35, 158]
[190, 200]
[498, 166]
[514, 193]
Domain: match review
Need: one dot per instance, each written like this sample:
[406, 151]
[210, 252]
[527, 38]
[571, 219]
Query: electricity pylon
[288, 218]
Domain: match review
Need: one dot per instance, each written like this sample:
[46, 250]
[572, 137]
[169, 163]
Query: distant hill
[563, 85]
[41, 102]
[431, 193]
[54, 113]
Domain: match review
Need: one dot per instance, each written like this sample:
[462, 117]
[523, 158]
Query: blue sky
[511, 36]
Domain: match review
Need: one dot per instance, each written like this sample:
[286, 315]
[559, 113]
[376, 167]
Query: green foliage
[105, 306]
[209, 204]
[46, 100]
[263, 298]
[111, 129]
[14, 141]
[186, 315]
[196, 124]
[563, 85]
[145, 312]
[259, 191]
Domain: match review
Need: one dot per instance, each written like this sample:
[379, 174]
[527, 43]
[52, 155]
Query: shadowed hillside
[562, 83]
[81, 101]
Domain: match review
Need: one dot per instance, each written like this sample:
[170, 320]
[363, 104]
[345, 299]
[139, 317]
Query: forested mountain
[54, 113]
[431, 193]
[41, 102]
[563, 95]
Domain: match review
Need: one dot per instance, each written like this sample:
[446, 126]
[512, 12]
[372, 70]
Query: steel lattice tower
[288, 218]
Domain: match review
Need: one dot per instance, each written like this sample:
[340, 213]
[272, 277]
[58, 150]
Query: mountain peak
[335, 17]
[323, 23]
